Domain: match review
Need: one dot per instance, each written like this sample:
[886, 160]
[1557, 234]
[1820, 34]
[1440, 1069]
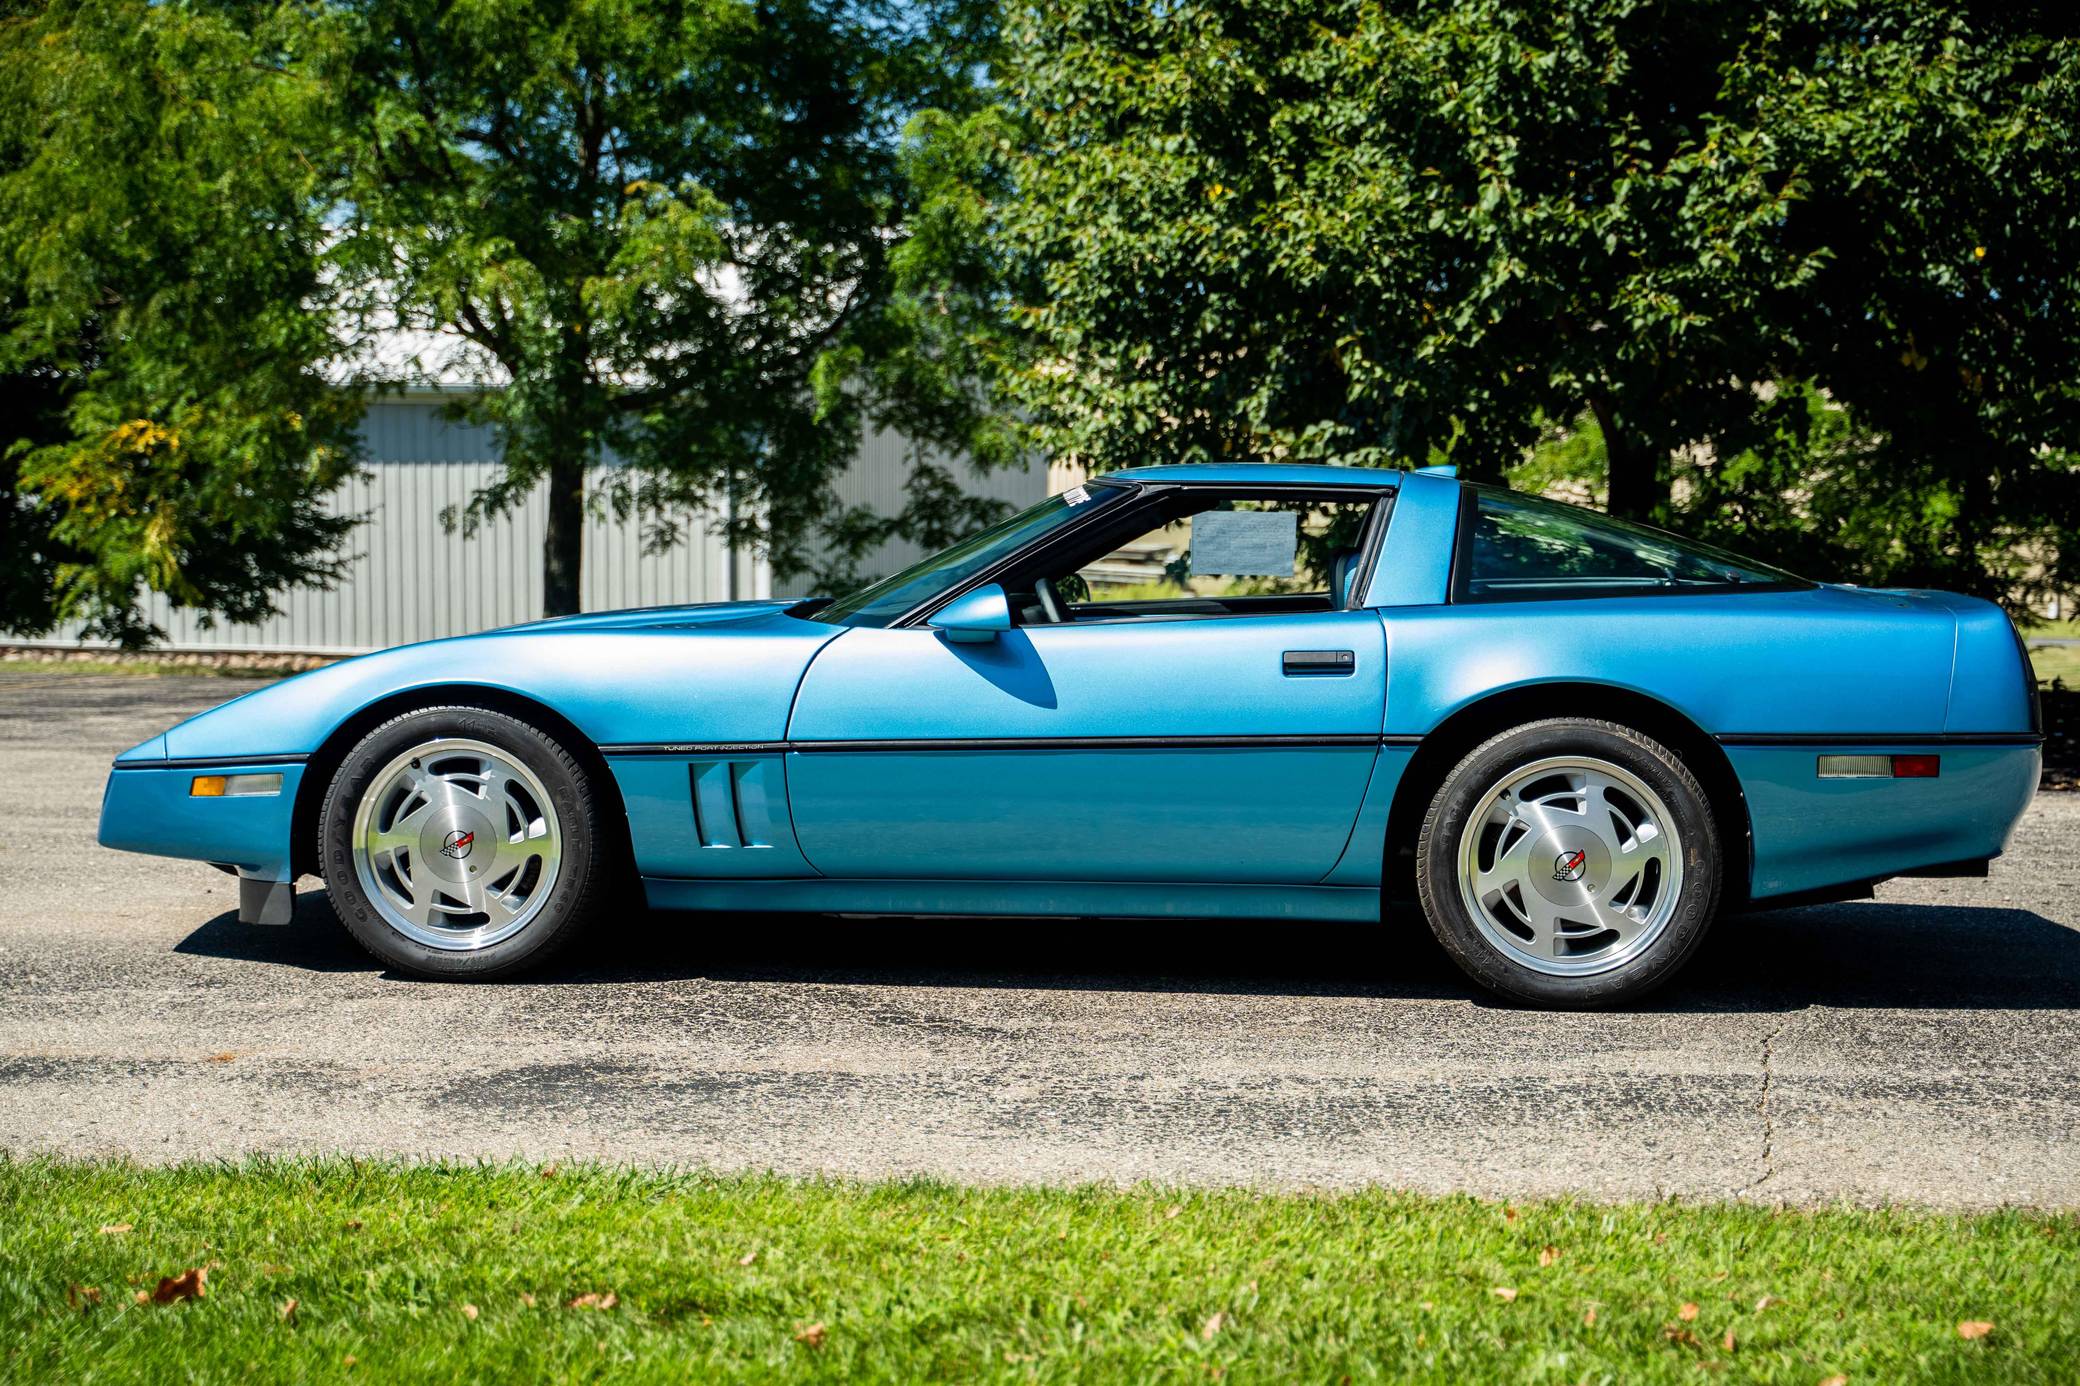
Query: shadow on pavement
[1875, 955]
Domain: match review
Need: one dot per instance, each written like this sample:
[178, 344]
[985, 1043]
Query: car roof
[1259, 473]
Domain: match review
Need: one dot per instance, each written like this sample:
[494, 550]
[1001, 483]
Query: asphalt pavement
[1922, 1048]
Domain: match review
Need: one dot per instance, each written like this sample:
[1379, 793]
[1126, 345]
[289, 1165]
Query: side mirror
[976, 618]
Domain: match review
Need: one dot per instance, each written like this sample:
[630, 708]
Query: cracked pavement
[1919, 1049]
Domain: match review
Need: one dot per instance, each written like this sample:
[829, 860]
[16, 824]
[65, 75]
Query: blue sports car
[1261, 691]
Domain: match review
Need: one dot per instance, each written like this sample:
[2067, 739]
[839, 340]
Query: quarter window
[1523, 547]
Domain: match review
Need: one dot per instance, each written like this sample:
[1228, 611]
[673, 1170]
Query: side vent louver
[731, 804]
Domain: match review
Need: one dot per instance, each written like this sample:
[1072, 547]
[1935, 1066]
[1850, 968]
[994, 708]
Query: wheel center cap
[1569, 865]
[457, 844]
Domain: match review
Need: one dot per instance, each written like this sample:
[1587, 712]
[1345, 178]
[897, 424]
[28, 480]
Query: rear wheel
[461, 843]
[1569, 863]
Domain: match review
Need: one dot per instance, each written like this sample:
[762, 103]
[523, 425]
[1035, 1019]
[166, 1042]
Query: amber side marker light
[233, 786]
[1880, 767]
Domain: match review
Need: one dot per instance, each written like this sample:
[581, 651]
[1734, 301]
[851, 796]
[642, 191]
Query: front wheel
[461, 843]
[1569, 863]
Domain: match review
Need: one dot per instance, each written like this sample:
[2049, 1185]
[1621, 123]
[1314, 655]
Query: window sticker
[1245, 543]
[1076, 495]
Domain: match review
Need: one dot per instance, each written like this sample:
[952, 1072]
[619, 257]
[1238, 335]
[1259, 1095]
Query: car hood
[654, 617]
[723, 671]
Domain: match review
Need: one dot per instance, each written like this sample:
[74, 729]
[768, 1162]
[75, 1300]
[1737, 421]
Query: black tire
[1489, 765]
[573, 897]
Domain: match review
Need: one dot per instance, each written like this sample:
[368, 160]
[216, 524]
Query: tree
[670, 225]
[167, 421]
[1391, 232]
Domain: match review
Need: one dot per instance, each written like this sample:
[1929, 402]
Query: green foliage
[1381, 232]
[471, 1273]
[168, 425]
[677, 228]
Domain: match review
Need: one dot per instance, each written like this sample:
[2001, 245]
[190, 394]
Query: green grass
[724, 1277]
[2055, 662]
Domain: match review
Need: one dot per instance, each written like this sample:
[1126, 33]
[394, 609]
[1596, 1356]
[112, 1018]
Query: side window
[1523, 547]
[1282, 551]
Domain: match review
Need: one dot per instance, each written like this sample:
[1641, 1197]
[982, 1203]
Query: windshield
[887, 600]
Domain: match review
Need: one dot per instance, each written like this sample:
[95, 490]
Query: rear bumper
[1812, 834]
[150, 809]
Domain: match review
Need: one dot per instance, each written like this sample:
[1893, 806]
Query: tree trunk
[1636, 490]
[563, 543]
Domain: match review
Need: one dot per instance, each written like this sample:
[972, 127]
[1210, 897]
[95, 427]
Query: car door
[1219, 750]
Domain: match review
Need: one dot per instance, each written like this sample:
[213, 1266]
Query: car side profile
[1266, 691]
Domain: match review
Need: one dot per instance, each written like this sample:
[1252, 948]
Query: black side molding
[1880, 739]
[210, 762]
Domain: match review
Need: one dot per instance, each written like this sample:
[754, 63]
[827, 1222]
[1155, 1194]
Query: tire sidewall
[560, 775]
[1437, 861]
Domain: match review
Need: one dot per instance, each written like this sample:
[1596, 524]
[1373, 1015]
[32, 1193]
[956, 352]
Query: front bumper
[150, 808]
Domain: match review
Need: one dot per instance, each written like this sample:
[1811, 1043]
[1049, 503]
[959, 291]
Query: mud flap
[265, 902]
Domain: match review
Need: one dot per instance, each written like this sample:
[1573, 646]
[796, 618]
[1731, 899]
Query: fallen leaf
[1509, 1214]
[748, 1257]
[1767, 1302]
[1589, 1318]
[469, 1311]
[349, 1360]
[114, 1229]
[1503, 1293]
[77, 1295]
[1547, 1256]
[224, 1058]
[353, 1224]
[187, 1285]
[595, 1301]
[1727, 1341]
[1838, 1379]
[1974, 1328]
[812, 1336]
[527, 1299]
[549, 1171]
[1212, 1326]
[1687, 1313]
[288, 1310]
[1680, 1335]
[1173, 1210]
[144, 1296]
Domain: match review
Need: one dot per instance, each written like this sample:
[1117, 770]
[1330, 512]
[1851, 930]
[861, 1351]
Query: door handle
[1298, 664]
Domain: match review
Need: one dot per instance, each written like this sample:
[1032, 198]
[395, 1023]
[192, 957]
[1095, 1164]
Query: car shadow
[1867, 954]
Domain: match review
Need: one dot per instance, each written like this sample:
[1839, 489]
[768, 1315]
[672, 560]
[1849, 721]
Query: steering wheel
[1050, 602]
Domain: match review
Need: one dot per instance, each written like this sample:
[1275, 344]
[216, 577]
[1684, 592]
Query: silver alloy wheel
[1570, 866]
[456, 845]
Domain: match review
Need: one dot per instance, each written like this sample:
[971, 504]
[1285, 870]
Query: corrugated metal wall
[876, 479]
[411, 579]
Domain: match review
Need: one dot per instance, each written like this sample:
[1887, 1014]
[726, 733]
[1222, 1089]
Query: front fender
[729, 681]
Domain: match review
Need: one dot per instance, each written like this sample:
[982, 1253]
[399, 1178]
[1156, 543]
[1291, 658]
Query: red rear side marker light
[1880, 767]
